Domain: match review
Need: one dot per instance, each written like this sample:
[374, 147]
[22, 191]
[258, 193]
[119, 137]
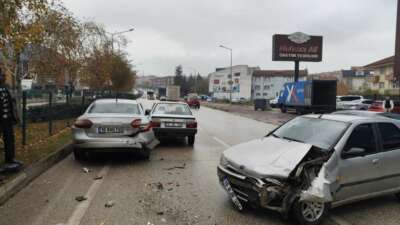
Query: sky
[188, 32]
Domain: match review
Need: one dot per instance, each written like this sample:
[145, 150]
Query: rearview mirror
[354, 152]
[147, 112]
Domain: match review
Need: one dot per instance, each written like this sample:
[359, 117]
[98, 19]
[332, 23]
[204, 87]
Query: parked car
[341, 100]
[173, 119]
[377, 106]
[274, 102]
[193, 103]
[362, 104]
[313, 163]
[113, 125]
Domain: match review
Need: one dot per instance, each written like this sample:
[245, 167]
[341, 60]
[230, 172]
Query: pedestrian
[8, 119]
[388, 104]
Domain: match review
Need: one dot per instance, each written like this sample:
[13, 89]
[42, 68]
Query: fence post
[23, 118]
[50, 113]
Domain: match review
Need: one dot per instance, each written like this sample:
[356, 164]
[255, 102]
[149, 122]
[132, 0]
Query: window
[237, 74]
[362, 137]
[381, 85]
[172, 109]
[265, 94]
[115, 107]
[367, 101]
[258, 94]
[257, 87]
[266, 87]
[390, 136]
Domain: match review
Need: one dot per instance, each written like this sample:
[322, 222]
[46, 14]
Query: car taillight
[83, 123]
[136, 123]
[155, 124]
[191, 124]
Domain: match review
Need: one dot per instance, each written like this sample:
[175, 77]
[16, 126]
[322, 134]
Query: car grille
[245, 189]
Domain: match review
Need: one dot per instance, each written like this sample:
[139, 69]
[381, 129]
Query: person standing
[388, 104]
[8, 119]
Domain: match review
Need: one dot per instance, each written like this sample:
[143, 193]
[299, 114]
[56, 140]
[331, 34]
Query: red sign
[297, 47]
[216, 81]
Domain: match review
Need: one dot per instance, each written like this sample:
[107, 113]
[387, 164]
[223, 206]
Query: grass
[39, 143]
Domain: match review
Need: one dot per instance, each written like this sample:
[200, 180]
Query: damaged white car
[313, 163]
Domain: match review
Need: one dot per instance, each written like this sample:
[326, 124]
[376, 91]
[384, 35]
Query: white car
[345, 99]
[112, 125]
[274, 102]
[363, 104]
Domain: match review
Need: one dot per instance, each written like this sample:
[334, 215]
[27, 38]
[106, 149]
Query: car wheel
[79, 154]
[191, 140]
[309, 213]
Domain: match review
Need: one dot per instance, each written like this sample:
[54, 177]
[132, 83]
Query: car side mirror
[147, 112]
[354, 152]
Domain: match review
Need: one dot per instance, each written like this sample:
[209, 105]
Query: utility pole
[396, 69]
[231, 75]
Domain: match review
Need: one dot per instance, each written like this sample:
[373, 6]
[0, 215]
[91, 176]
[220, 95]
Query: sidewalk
[273, 116]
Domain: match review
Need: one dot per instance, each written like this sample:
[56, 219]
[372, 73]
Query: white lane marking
[82, 207]
[223, 143]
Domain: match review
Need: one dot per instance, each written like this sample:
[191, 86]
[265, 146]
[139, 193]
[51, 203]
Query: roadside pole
[396, 72]
[296, 70]
[23, 122]
[50, 113]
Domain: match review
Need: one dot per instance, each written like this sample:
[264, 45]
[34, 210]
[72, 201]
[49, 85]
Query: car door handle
[375, 161]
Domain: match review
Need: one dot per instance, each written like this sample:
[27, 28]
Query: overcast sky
[187, 32]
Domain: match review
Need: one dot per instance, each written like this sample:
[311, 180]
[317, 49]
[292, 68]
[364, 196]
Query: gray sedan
[113, 125]
[315, 162]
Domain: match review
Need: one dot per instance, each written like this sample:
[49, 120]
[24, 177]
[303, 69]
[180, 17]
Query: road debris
[170, 189]
[98, 178]
[160, 186]
[148, 223]
[176, 167]
[160, 213]
[80, 198]
[163, 220]
[109, 204]
[86, 170]
[161, 159]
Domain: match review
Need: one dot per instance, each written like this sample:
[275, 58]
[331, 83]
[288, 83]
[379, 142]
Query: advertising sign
[297, 47]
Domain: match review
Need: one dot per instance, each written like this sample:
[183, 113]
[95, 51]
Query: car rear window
[390, 136]
[115, 107]
[349, 98]
[172, 109]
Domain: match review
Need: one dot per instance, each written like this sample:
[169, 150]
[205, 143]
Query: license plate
[109, 130]
[232, 194]
[173, 124]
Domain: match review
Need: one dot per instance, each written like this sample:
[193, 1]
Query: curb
[16, 184]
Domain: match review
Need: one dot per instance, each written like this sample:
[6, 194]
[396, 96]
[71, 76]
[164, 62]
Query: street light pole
[396, 68]
[118, 33]
[230, 82]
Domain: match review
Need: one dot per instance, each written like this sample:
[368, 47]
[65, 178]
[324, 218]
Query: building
[220, 82]
[382, 79]
[144, 81]
[267, 84]
[354, 80]
[162, 82]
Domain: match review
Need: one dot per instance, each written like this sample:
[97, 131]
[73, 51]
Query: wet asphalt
[178, 185]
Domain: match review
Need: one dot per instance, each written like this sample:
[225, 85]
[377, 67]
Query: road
[190, 194]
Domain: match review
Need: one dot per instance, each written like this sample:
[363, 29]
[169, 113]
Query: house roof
[278, 73]
[380, 63]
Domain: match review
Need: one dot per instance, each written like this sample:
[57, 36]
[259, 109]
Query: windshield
[114, 107]
[321, 133]
[172, 109]
[349, 98]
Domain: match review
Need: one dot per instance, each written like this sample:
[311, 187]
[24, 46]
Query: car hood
[267, 157]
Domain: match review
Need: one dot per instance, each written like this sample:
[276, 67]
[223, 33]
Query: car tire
[191, 140]
[309, 213]
[79, 154]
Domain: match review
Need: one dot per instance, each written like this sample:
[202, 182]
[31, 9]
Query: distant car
[377, 106]
[313, 163]
[113, 125]
[274, 102]
[239, 100]
[163, 98]
[347, 99]
[193, 103]
[209, 99]
[363, 104]
[173, 119]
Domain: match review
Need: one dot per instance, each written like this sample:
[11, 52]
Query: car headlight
[223, 161]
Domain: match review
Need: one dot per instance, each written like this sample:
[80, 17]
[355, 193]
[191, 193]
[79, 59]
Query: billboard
[296, 47]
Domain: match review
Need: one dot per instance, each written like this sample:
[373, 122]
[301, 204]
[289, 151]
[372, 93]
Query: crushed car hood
[267, 157]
